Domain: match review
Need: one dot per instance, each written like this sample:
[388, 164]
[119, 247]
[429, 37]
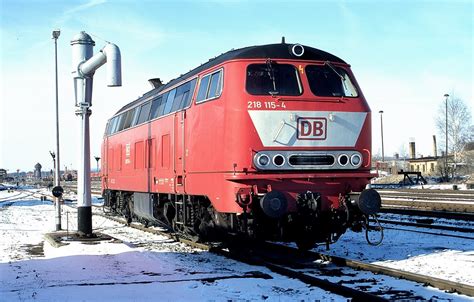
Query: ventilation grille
[311, 160]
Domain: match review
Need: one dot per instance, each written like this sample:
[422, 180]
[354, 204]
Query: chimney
[435, 149]
[397, 156]
[412, 149]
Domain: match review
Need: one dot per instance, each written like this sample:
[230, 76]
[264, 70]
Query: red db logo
[313, 128]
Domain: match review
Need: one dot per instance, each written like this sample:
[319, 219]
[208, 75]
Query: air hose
[378, 227]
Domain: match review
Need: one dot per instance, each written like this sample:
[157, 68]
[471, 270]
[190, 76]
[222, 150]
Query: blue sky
[405, 54]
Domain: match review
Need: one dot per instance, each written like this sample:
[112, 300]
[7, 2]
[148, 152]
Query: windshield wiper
[271, 75]
[343, 79]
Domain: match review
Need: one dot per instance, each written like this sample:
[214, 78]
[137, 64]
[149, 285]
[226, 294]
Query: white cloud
[84, 6]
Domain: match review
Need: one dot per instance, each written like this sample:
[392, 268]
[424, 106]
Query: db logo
[313, 128]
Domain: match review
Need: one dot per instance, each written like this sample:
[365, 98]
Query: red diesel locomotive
[271, 141]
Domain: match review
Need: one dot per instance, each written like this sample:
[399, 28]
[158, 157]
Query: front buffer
[304, 208]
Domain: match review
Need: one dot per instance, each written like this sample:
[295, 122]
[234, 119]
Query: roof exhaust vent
[155, 83]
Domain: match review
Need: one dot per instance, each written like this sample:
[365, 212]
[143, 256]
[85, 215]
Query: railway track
[20, 195]
[428, 200]
[294, 263]
[291, 253]
[72, 187]
[432, 214]
[428, 225]
[223, 250]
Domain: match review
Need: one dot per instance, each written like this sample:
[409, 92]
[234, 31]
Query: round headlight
[356, 159]
[263, 160]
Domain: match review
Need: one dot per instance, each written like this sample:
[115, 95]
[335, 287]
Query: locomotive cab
[307, 126]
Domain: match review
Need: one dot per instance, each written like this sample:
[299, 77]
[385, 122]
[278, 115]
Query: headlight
[356, 159]
[263, 160]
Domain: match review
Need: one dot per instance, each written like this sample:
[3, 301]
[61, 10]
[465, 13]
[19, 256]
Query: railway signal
[58, 192]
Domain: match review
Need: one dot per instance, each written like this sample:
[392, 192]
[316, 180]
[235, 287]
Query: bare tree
[460, 128]
[402, 151]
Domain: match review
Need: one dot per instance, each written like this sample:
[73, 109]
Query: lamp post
[446, 96]
[381, 131]
[57, 177]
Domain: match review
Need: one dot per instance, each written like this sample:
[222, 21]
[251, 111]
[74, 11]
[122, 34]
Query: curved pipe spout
[110, 54]
[114, 65]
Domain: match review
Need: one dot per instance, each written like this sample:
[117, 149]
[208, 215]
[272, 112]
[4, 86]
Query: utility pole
[84, 65]
[446, 96]
[57, 175]
[381, 131]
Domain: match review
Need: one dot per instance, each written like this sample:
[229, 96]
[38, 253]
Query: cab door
[179, 152]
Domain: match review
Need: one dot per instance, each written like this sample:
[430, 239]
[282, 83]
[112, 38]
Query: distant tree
[460, 128]
[402, 151]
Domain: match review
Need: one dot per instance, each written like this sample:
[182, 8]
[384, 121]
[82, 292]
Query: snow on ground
[444, 257]
[439, 186]
[143, 266]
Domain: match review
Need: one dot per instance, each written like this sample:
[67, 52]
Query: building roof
[427, 158]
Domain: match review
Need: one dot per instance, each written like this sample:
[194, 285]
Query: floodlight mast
[84, 65]
[57, 176]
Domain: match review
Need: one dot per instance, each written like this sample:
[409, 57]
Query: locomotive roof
[272, 51]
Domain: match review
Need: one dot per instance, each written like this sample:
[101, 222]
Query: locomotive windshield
[272, 78]
[330, 80]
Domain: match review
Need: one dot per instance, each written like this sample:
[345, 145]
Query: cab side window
[210, 86]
